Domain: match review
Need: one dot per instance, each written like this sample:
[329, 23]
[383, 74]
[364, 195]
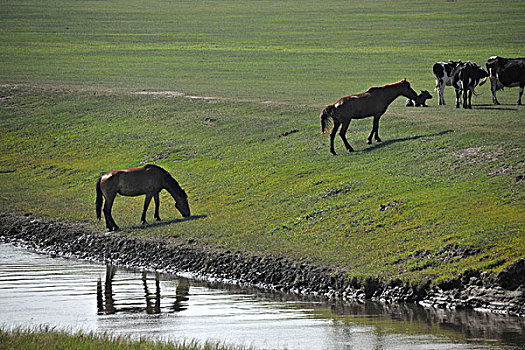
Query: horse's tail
[327, 116]
[99, 201]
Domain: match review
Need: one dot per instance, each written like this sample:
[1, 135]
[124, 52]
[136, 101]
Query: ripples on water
[65, 293]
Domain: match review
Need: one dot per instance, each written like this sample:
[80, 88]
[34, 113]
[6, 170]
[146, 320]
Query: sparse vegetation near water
[442, 194]
[45, 338]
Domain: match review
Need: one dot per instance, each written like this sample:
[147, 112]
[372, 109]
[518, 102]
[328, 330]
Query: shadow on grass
[404, 139]
[494, 107]
[165, 223]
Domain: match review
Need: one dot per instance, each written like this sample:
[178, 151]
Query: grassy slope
[447, 178]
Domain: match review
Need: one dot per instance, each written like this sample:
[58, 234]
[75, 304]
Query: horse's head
[406, 90]
[181, 203]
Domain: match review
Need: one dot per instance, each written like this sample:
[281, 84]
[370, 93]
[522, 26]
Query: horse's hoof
[143, 222]
[158, 219]
[333, 152]
[368, 142]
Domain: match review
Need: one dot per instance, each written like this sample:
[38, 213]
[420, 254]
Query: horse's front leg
[157, 205]
[332, 136]
[375, 131]
[342, 133]
[146, 205]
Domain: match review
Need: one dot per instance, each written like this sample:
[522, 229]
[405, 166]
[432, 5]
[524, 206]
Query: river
[75, 295]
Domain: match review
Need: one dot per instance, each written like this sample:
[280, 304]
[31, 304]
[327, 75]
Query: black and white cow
[506, 72]
[444, 71]
[467, 77]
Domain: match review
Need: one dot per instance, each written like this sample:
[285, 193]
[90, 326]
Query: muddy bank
[503, 293]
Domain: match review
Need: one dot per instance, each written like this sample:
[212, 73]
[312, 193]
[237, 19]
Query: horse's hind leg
[332, 135]
[157, 205]
[110, 223]
[342, 133]
[146, 205]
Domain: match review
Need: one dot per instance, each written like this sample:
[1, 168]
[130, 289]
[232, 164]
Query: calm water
[37, 289]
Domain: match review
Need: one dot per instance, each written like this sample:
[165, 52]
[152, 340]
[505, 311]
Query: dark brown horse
[372, 103]
[148, 180]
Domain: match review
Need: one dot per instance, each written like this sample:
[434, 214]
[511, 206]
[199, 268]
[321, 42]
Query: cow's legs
[458, 97]
[441, 92]
[467, 93]
[520, 94]
[493, 83]
[342, 133]
[332, 135]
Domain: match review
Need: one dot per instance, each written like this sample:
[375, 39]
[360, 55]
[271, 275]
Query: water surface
[65, 293]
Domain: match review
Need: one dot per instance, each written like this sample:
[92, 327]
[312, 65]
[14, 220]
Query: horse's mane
[168, 175]
[386, 86]
[370, 90]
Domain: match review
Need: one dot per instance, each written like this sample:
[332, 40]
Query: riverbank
[47, 338]
[503, 293]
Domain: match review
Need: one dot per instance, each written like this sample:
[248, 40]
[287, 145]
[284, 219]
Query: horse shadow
[168, 222]
[404, 139]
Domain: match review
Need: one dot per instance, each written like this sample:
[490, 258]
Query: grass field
[443, 193]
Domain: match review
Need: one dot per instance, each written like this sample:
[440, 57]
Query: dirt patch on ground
[478, 155]
[504, 293]
[495, 161]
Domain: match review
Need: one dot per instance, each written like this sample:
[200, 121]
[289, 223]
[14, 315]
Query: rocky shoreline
[504, 293]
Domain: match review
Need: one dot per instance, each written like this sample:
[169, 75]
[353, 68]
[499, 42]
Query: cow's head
[482, 75]
[492, 64]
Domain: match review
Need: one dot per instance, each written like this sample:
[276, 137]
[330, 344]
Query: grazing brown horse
[372, 103]
[148, 180]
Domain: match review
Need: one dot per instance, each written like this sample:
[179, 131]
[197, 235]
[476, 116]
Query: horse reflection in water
[106, 304]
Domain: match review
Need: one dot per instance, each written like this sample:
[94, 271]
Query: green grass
[46, 338]
[444, 180]
[301, 52]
